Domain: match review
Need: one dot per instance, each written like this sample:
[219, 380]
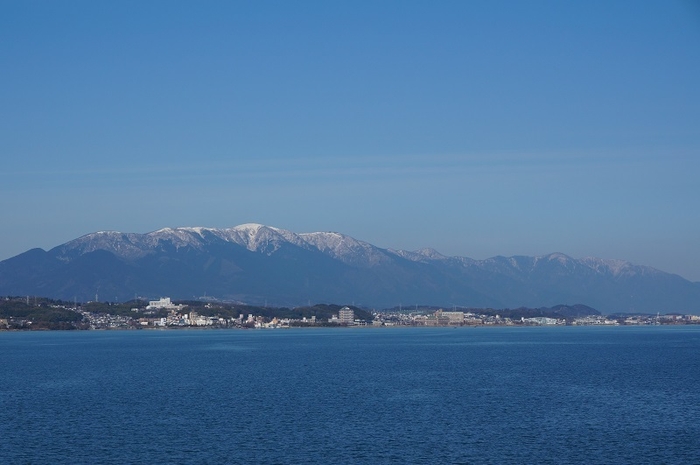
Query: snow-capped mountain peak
[617, 267]
[260, 238]
[177, 237]
[267, 240]
[421, 255]
[431, 253]
[332, 266]
[251, 228]
[558, 256]
[345, 248]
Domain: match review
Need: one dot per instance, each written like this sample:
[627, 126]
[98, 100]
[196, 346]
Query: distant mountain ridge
[255, 263]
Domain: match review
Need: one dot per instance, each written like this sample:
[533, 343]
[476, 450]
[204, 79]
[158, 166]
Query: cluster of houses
[177, 315]
[457, 318]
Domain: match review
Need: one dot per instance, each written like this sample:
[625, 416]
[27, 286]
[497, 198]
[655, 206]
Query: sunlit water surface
[413, 395]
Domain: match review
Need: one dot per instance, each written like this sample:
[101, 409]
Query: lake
[387, 395]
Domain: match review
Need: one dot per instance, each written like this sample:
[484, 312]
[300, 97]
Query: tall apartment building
[346, 316]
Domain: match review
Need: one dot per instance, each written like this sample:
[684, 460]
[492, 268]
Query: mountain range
[259, 264]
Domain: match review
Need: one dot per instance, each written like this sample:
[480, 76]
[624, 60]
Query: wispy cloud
[303, 167]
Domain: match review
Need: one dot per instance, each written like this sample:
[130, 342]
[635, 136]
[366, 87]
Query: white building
[454, 318]
[346, 316]
[163, 302]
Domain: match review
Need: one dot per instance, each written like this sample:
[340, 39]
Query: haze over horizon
[474, 128]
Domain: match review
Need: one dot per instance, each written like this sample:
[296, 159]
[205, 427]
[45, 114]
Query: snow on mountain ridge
[121, 244]
[617, 267]
[178, 237]
[558, 256]
[266, 239]
[423, 255]
[254, 237]
[345, 248]
[431, 253]
[260, 238]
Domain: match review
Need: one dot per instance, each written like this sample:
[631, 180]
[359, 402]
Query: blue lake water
[405, 395]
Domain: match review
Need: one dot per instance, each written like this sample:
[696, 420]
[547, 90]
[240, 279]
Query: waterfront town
[167, 314]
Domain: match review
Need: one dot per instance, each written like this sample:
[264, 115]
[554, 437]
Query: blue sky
[476, 128]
